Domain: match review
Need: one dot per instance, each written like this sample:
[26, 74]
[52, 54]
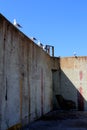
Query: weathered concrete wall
[71, 81]
[25, 77]
[30, 79]
[55, 79]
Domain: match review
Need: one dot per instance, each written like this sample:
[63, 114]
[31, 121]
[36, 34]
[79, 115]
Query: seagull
[40, 44]
[16, 24]
[33, 38]
[44, 47]
[75, 54]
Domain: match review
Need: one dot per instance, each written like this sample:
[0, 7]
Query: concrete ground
[61, 120]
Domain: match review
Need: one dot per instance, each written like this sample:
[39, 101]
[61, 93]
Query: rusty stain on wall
[81, 75]
[41, 91]
[80, 93]
[21, 100]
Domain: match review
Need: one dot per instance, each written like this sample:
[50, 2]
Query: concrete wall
[70, 81]
[30, 78]
[25, 78]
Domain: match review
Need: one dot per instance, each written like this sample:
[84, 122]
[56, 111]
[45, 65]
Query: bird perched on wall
[16, 24]
[40, 44]
[33, 38]
[75, 55]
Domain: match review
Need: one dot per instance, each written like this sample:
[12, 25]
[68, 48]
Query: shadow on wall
[65, 95]
[65, 103]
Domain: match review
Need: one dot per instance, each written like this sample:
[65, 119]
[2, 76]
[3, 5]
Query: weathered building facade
[25, 77]
[70, 81]
[30, 78]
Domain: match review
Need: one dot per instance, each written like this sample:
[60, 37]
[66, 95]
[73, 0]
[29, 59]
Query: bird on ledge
[16, 24]
[75, 55]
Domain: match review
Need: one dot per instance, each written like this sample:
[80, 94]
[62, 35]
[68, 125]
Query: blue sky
[61, 23]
